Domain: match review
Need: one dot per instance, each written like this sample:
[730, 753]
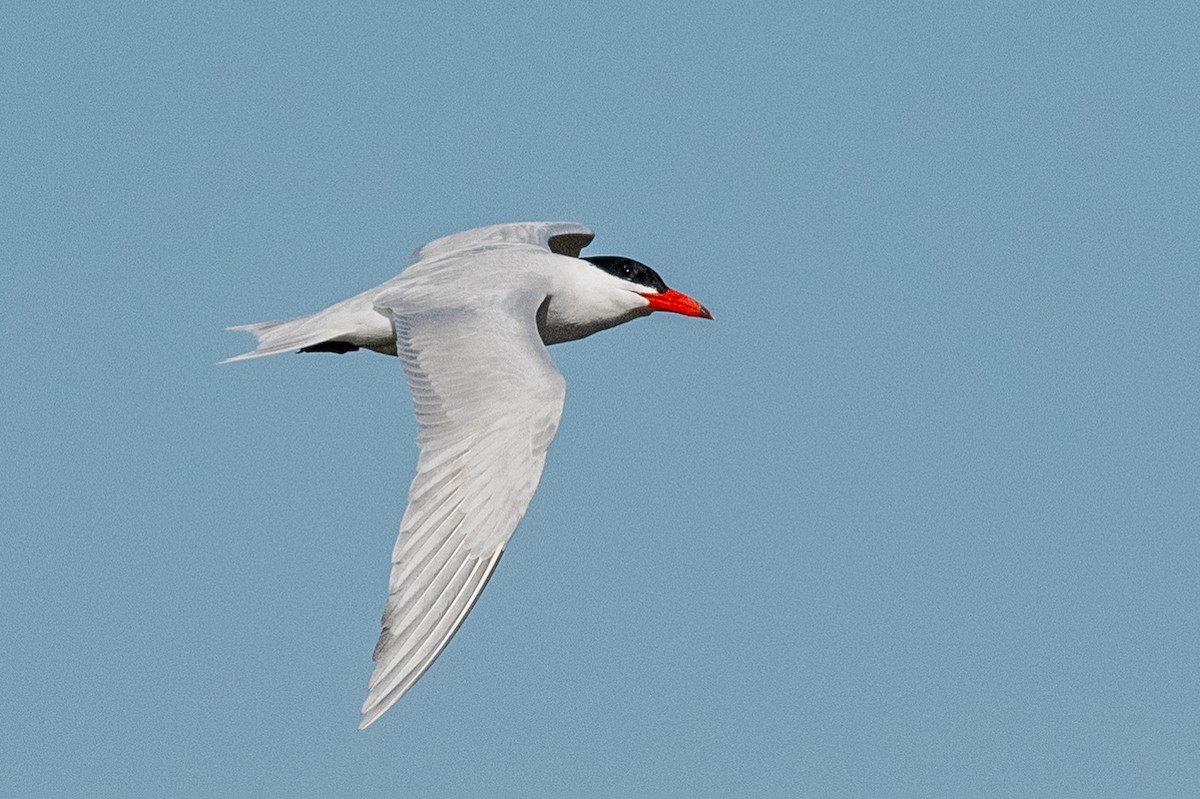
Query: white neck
[585, 300]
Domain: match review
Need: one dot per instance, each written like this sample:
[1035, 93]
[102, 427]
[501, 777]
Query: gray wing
[563, 238]
[488, 401]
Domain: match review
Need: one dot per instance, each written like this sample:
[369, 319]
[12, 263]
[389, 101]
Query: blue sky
[915, 516]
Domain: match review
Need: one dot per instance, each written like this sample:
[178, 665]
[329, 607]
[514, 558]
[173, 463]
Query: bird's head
[636, 277]
[604, 291]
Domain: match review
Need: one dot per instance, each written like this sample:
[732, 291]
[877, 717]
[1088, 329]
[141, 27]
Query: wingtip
[371, 712]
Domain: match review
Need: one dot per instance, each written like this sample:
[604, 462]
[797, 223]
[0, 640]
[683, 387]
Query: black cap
[629, 269]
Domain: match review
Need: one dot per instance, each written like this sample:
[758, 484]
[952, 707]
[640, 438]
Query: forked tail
[311, 333]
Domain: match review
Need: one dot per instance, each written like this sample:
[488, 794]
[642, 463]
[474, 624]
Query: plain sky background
[917, 515]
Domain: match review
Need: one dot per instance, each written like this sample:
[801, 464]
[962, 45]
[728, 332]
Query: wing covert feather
[565, 238]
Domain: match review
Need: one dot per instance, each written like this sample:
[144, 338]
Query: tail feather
[285, 335]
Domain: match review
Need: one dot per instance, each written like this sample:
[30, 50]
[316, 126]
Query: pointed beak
[677, 302]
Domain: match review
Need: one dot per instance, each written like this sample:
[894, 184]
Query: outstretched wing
[563, 238]
[488, 401]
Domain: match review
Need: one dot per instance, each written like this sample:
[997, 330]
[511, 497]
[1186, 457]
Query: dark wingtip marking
[569, 243]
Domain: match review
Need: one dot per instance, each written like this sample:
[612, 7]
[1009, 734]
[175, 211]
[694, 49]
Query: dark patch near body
[629, 269]
[340, 347]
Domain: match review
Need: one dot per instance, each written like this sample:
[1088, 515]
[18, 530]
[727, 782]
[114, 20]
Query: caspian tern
[469, 318]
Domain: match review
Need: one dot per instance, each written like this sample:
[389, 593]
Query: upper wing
[563, 238]
[488, 401]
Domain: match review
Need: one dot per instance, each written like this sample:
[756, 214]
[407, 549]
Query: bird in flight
[469, 318]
